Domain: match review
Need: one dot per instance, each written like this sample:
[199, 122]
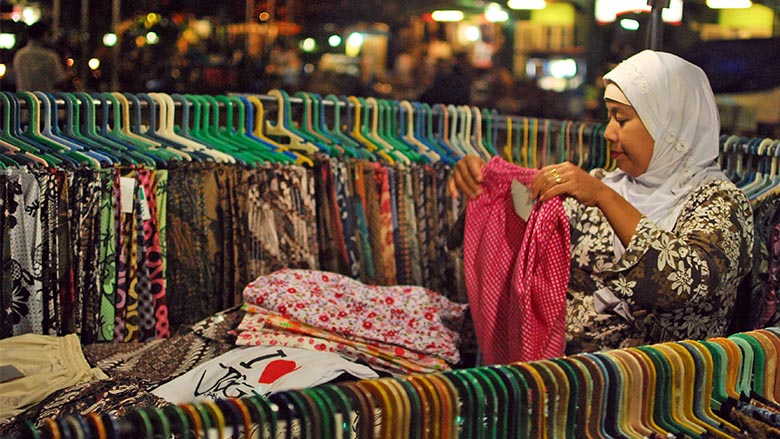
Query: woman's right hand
[467, 177]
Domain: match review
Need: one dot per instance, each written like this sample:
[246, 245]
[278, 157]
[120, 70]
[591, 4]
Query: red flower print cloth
[408, 316]
[516, 272]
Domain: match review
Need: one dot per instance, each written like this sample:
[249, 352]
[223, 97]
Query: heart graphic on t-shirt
[277, 369]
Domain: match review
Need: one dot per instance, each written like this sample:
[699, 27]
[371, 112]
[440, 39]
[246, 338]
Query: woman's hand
[467, 177]
[567, 179]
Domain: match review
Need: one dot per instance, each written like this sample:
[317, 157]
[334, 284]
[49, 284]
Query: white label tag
[145, 214]
[521, 196]
[604, 300]
[126, 191]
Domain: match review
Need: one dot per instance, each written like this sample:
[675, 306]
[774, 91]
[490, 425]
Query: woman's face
[631, 145]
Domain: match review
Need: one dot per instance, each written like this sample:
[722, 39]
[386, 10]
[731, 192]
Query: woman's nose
[610, 132]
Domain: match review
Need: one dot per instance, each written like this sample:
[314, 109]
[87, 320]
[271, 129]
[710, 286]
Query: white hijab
[674, 100]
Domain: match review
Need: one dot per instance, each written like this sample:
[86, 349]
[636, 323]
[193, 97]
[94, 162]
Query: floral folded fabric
[262, 327]
[407, 316]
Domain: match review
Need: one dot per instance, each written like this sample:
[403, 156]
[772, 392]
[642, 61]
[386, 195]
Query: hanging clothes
[516, 271]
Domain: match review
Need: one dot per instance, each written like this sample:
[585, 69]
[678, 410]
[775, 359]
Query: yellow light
[334, 40]
[264, 16]
[7, 41]
[69, 62]
[354, 43]
[308, 44]
[494, 13]
[152, 38]
[447, 15]
[93, 63]
[110, 39]
[526, 4]
[729, 4]
[152, 17]
[472, 33]
[2, 70]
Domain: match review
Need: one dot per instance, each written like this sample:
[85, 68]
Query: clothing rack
[173, 145]
[692, 388]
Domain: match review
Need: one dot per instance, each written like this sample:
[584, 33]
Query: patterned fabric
[160, 360]
[347, 307]
[695, 269]
[109, 212]
[48, 182]
[263, 327]
[190, 282]
[517, 283]
[22, 264]
[346, 215]
[113, 396]
[386, 263]
[412, 226]
[152, 262]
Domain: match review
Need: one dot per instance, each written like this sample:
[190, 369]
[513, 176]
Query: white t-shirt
[261, 370]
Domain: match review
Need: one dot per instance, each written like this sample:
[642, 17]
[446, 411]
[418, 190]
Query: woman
[659, 245]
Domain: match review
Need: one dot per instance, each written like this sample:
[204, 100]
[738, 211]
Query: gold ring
[556, 176]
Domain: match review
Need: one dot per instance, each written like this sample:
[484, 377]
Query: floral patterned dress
[673, 285]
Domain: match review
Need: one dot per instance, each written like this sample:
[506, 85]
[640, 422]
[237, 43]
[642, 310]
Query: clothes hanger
[282, 127]
[507, 151]
[120, 128]
[631, 381]
[538, 399]
[471, 411]
[181, 427]
[705, 365]
[694, 383]
[582, 386]
[230, 134]
[243, 135]
[308, 417]
[669, 375]
[553, 389]
[637, 395]
[27, 151]
[423, 122]
[371, 108]
[659, 387]
[301, 157]
[437, 140]
[89, 130]
[163, 131]
[360, 131]
[339, 405]
[195, 417]
[362, 405]
[613, 421]
[597, 380]
[73, 157]
[430, 405]
[73, 131]
[350, 145]
[131, 126]
[159, 156]
[772, 350]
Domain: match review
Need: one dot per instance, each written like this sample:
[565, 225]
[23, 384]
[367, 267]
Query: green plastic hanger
[89, 130]
[33, 131]
[282, 128]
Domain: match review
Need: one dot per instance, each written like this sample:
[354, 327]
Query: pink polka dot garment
[516, 272]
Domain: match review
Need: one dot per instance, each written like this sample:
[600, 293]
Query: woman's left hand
[566, 179]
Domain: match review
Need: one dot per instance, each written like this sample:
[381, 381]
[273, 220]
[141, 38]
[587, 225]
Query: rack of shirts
[126, 215]
[752, 164]
[721, 387]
